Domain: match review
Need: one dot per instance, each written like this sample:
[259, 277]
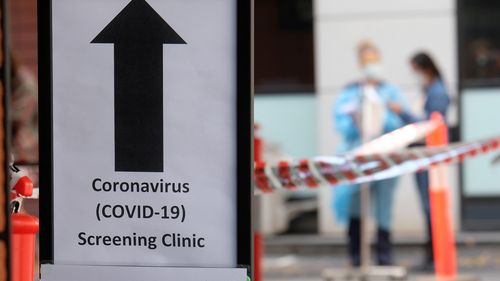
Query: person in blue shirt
[369, 97]
[436, 100]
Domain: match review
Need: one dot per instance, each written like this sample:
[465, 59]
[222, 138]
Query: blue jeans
[422, 179]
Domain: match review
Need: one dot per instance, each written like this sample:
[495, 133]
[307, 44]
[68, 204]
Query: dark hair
[425, 62]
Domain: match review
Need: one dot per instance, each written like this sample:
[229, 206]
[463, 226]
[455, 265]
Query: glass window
[284, 60]
[478, 28]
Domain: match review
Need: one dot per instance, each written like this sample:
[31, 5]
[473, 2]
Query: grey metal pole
[365, 228]
[365, 194]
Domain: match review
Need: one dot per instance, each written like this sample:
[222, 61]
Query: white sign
[144, 133]
[87, 273]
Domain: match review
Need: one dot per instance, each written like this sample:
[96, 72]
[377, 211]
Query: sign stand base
[129, 273]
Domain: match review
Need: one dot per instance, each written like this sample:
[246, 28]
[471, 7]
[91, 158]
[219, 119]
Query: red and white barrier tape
[398, 139]
[358, 168]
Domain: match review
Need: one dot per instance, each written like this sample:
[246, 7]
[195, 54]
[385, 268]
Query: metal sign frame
[244, 132]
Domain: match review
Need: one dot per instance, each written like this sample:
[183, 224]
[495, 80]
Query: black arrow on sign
[138, 33]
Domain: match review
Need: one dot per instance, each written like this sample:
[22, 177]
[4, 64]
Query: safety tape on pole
[359, 168]
[398, 139]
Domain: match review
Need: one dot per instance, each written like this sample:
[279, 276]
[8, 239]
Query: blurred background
[305, 53]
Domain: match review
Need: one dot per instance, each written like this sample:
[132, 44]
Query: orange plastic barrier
[23, 235]
[445, 257]
[24, 229]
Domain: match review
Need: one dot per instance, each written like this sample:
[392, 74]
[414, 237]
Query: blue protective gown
[346, 197]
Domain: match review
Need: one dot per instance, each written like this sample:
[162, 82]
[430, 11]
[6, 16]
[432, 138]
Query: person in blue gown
[368, 96]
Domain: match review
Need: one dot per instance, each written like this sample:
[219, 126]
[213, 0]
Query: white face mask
[372, 71]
